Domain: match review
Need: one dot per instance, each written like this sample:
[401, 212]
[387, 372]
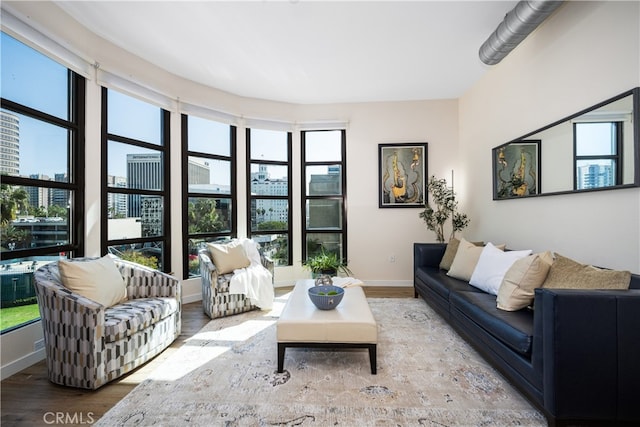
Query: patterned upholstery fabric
[216, 299]
[87, 344]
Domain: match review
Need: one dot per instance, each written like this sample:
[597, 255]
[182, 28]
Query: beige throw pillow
[566, 273]
[99, 280]
[525, 275]
[450, 253]
[228, 256]
[466, 260]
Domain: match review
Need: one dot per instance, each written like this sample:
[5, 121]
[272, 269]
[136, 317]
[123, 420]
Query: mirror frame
[635, 92]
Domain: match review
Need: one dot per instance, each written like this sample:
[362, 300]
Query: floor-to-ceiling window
[269, 192]
[324, 192]
[136, 176]
[42, 139]
[209, 186]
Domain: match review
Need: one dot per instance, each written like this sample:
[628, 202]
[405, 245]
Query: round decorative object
[326, 297]
[324, 280]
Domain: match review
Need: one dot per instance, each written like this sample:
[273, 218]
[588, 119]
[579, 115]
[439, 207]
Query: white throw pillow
[465, 260]
[99, 280]
[492, 265]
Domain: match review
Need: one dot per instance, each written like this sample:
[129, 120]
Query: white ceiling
[306, 52]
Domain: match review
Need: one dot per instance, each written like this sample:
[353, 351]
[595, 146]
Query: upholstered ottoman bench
[350, 325]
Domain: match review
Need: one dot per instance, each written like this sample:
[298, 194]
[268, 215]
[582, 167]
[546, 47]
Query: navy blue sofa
[575, 355]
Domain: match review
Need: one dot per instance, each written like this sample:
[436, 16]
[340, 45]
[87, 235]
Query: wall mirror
[595, 149]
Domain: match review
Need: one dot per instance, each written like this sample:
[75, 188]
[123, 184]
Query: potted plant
[443, 206]
[326, 263]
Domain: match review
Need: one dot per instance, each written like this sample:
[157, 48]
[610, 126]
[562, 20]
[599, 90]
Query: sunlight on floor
[210, 343]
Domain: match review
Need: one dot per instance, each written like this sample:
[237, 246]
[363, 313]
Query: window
[136, 173]
[209, 186]
[42, 122]
[269, 192]
[598, 147]
[324, 190]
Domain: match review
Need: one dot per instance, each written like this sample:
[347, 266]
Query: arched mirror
[595, 149]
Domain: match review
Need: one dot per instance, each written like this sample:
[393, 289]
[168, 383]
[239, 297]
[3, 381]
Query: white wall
[584, 53]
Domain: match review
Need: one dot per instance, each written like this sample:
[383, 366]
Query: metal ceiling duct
[516, 26]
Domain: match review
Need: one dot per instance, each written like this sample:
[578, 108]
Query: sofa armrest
[427, 255]
[145, 282]
[590, 347]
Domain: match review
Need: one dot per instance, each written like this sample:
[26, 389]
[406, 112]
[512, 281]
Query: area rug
[225, 375]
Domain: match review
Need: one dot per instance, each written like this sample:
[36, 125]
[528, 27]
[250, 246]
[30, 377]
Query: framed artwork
[516, 169]
[402, 169]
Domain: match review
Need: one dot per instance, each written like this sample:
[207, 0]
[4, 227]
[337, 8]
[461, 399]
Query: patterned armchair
[216, 299]
[87, 344]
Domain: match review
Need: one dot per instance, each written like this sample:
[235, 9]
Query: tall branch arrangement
[441, 205]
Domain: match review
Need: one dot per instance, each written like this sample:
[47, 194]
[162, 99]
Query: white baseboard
[24, 362]
[186, 299]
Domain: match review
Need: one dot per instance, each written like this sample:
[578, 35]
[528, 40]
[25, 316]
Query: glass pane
[269, 180]
[324, 180]
[269, 214]
[595, 173]
[209, 215]
[329, 242]
[32, 79]
[595, 139]
[22, 152]
[150, 254]
[130, 166]
[209, 175]
[34, 217]
[18, 299]
[269, 145]
[134, 119]
[323, 146]
[274, 246]
[207, 136]
[324, 213]
[133, 216]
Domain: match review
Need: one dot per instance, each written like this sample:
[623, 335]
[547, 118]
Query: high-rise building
[595, 176]
[144, 171]
[263, 185]
[198, 172]
[9, 143]
[116, 202]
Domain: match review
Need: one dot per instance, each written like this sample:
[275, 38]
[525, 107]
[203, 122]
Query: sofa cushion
[124, 320]
[442, 284]
[566, 273]
[96, 279]
[492, 266]
[513, 328]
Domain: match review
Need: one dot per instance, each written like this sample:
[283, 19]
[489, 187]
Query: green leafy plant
[326, 263]
[442, 207]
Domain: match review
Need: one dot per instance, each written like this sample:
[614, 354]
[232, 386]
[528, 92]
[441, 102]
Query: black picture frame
[516, 169]
[402, 174]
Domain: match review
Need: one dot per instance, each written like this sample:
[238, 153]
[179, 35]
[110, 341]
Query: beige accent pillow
[450, 253]
[228, 256]
[466, 259]
[518, 286]
[566, 273]
[99, 280]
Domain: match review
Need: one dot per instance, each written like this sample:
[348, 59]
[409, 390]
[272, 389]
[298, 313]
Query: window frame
[617, 158]
[289, 198]
[75, 125]
[164, 192]
[232, 159]
[343, 197]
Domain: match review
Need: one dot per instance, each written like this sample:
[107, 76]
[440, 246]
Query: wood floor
[29, 399]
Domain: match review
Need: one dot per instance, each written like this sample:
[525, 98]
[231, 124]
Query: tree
[443, 206]
[203, 217]
[12, 200]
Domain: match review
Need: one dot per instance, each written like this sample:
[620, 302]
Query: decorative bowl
[326, 297]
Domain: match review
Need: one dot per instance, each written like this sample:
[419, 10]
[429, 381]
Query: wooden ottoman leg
[373, 358]
[281, 349]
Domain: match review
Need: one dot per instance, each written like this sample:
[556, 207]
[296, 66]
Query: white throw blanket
[255, 281]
